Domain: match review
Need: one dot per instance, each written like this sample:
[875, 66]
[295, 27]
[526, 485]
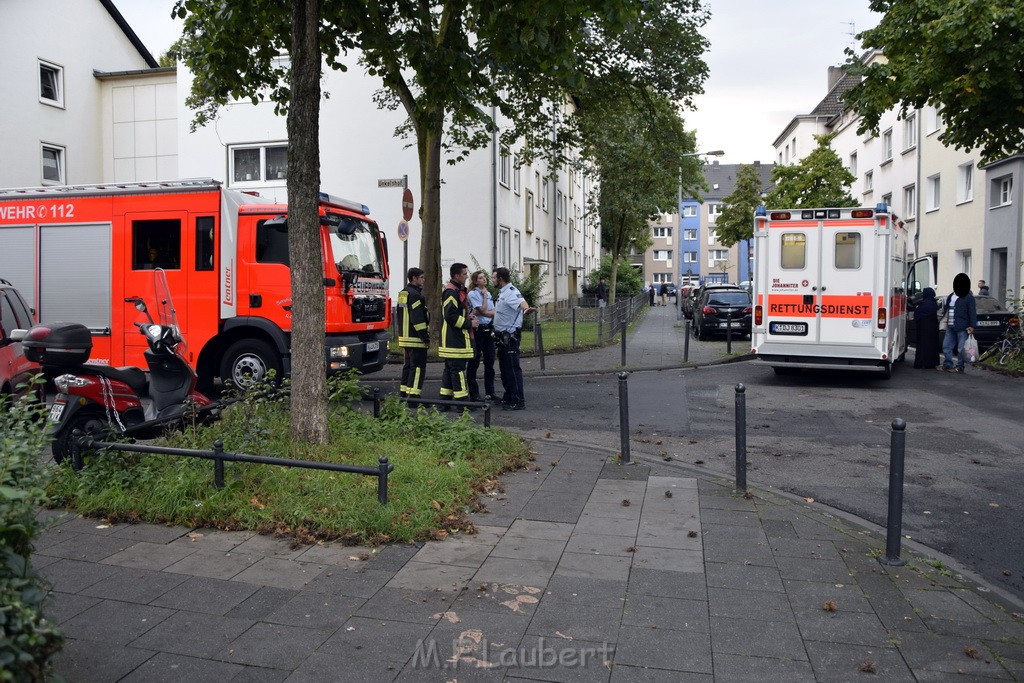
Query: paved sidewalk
[582, 570]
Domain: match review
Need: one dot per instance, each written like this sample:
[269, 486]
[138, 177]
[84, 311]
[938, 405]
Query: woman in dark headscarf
[926, 318]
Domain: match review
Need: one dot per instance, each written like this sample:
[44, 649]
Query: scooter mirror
[140, 305]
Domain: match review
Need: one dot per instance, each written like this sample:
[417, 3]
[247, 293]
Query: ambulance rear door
[847, 282]
[793, 272]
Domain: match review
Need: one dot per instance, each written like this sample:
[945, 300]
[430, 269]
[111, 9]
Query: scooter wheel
[64, 444]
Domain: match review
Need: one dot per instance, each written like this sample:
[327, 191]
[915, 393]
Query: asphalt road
[827, 436]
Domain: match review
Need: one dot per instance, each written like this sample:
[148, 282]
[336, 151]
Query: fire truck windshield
[358, 251]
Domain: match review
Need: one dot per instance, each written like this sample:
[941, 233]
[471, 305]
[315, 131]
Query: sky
[768, 62]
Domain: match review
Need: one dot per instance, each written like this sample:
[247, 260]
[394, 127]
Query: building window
[53, 165]
[504, 167]
[51, 84]
[690, 211]
[536, 191]
[544, 194]
[853, 163]
[964, 257]
[712, 236]
[716, 257]
[572, 232]
[559, 205]
[965, 183]
[887, 200]
[258, 164]
[517, 245]
[503, 255]
[662, 231]
[1001, 191]
[887, 145]
[528, 220]
[690, 234]
[869, 181]
[794, 250]
[910, 132]
[516, 174]
[689, 257]
[909, 202]
[934, 119]
[932, 199]
[847, 256]
[662, 255]
[714, 211]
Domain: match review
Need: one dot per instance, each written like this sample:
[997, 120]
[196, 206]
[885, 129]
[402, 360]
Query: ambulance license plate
[372, 346]
[56, 410]
[797, 329]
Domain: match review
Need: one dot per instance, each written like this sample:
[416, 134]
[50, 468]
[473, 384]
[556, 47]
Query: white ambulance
[831, 288]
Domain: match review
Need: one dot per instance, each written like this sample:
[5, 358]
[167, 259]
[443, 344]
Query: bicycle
[1007, 348]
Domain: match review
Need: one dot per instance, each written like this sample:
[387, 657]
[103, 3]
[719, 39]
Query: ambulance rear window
[794, 250]
[847, 251]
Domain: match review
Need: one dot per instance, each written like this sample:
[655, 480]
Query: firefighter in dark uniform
[413, 334]
[457, 327]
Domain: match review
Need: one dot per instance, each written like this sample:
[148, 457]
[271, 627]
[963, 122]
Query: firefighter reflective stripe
[412, 319]
[455, 339]
[794, 306]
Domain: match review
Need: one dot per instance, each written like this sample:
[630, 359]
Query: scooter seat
[133, 377]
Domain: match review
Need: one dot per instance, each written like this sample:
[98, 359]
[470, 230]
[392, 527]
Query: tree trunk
[429, 148]
[309, 366]
[614, 278]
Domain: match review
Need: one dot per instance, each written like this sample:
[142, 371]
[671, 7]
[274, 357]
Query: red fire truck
[76, 252]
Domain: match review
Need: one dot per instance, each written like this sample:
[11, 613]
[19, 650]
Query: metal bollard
[382, 480]
[376, 402]
[600, 325]
[686, 342]
[894, 521]
[218, 464]
[728, 337]
[624, 457]
[573, 314]
[622, 330]
[536, 322]
[540, 343]
[741, 437]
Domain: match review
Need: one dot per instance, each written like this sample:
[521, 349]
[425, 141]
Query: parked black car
[994, 320]
[722, 308]
[694, 294]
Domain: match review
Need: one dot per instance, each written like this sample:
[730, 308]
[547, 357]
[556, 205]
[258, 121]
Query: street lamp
[679, 210]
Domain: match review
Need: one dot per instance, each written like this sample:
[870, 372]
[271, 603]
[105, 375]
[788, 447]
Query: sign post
[407, 211]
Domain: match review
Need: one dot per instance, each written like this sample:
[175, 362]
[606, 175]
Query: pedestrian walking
[982, 288]
[481, 305]
[926, 322]
[457, 324]
[508, 325]
[664, 294]
[602, 293]
[650, 295]
[962, 318]
[413, 334]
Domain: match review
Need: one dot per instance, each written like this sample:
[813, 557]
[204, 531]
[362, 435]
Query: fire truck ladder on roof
[105, 189]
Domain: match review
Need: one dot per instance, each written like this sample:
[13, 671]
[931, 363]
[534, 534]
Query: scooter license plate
[56, 410]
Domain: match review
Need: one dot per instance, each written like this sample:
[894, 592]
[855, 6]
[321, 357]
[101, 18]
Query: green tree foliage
[448, 63]
[819, 180]
[629, 281]
[736, 222]
[965, 57]
[637, 148]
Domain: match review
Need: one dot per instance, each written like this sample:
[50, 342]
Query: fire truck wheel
[88, 422]
[249, 362]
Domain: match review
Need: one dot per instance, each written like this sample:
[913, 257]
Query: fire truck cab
[830, 288]
[78, 251]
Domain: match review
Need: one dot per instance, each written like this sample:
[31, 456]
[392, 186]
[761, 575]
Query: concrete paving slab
[213, 539]
[279, 572]
[151, 533]
[341, 668]
[599, 544]
[539, 658]
[638, 674]
[193, 634]
[744, 577]
[550, 530]
[851, 628]
[265, 601]
[213, 564]
[687, 585]
[497, 598]
[89, 661]
[362, 582]
[387, 640]
[811, 595]
[514, 571]
[274, 646]
[583, 622]
[775, 639]
[400, 604]
[113, 622]
[164, 667]
[594, 566]
[658, 612]
[59, 607]
[841, 662]
[544, 549]
[669, 559]
[427, 576]
[315, 610]
[683, 651]
[589, 524]
[134, 585]
[804, 569]
[201, 594]
[758, 669]
[87, 547]
[745, 604]
[72, 576]
[463, 552]
[145, 555]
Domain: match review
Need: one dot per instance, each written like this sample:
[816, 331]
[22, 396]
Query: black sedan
[719, 310]
[994, 320]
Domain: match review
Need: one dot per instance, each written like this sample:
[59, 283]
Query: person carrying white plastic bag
[962, 317]
[970, 349]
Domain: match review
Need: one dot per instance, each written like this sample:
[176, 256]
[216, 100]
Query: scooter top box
[60, 345]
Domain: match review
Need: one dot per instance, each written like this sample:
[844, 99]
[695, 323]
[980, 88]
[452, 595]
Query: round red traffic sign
[407, 204]
[403, 230]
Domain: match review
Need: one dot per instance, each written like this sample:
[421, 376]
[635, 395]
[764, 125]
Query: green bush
[28, 640]
[629, 281]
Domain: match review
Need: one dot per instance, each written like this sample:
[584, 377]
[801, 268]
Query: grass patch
[441, 466]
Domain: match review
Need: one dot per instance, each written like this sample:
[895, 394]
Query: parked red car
[15, 368]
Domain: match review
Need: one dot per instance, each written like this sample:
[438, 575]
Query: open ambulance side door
[920, 274]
